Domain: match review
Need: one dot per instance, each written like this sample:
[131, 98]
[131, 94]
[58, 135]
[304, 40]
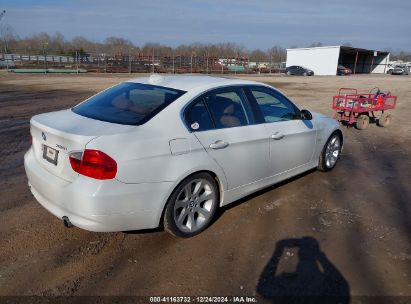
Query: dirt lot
[359, 214]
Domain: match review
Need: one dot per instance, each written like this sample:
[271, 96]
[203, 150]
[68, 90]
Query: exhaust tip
[67, 222]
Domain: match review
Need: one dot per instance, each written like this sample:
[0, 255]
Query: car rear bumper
[98, 205]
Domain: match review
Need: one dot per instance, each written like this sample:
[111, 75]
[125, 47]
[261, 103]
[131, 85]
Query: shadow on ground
[299, 272]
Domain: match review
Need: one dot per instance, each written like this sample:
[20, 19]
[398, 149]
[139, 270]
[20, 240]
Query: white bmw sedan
[170, 150]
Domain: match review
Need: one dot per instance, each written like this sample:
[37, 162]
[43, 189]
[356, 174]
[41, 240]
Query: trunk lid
[57, 134]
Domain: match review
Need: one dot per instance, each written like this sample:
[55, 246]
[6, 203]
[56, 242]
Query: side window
[273, 105]
[198, 118]
[228, 108]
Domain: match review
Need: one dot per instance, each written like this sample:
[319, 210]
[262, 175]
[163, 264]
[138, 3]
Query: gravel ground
[346, 232]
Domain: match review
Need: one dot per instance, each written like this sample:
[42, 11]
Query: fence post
[172, 55]
[152, 70]
[77, 61]
[271, 61]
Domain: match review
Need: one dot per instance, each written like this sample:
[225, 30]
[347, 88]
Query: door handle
[277, 136]
[219, 144]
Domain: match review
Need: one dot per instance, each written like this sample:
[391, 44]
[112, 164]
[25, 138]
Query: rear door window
[228, 108]
[128, 103]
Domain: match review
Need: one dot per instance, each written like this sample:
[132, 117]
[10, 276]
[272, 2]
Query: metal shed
[324, 60]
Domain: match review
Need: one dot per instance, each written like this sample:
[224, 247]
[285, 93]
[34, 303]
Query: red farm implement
[360, 108]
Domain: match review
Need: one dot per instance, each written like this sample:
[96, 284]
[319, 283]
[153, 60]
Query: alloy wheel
[194, 205]
[332, 151]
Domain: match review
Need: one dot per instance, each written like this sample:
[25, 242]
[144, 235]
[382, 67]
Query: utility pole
[222, 65]
[235, 63]
[172, 56]
[45, 43]
[77, 61]
[129, 62]
[152, 70]
[5, 43]
[191, 63]
[207, 65]
[271, 61]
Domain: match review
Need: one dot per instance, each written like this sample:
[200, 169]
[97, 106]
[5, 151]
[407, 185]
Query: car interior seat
[227, 112]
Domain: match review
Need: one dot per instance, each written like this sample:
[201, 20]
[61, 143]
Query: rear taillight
[75, 160]
[31, 140]
[93, 163]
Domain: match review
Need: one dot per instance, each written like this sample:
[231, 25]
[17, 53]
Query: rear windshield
[128, 103]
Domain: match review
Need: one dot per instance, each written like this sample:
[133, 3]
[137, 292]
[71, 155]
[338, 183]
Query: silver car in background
[398, 69]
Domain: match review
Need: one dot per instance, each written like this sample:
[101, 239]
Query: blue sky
[375, 24]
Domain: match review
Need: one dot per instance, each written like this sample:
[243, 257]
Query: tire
[384, 120]
[305, 74]
[389, 72]
[330, 153]
[288, 73]
[362, 122]
[192, 205]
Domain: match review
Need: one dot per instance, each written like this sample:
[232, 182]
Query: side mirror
[306, 115]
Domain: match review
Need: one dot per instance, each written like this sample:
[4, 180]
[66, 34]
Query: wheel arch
[339, 132]
[220, 181]
[321, 166]
[326, 133]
